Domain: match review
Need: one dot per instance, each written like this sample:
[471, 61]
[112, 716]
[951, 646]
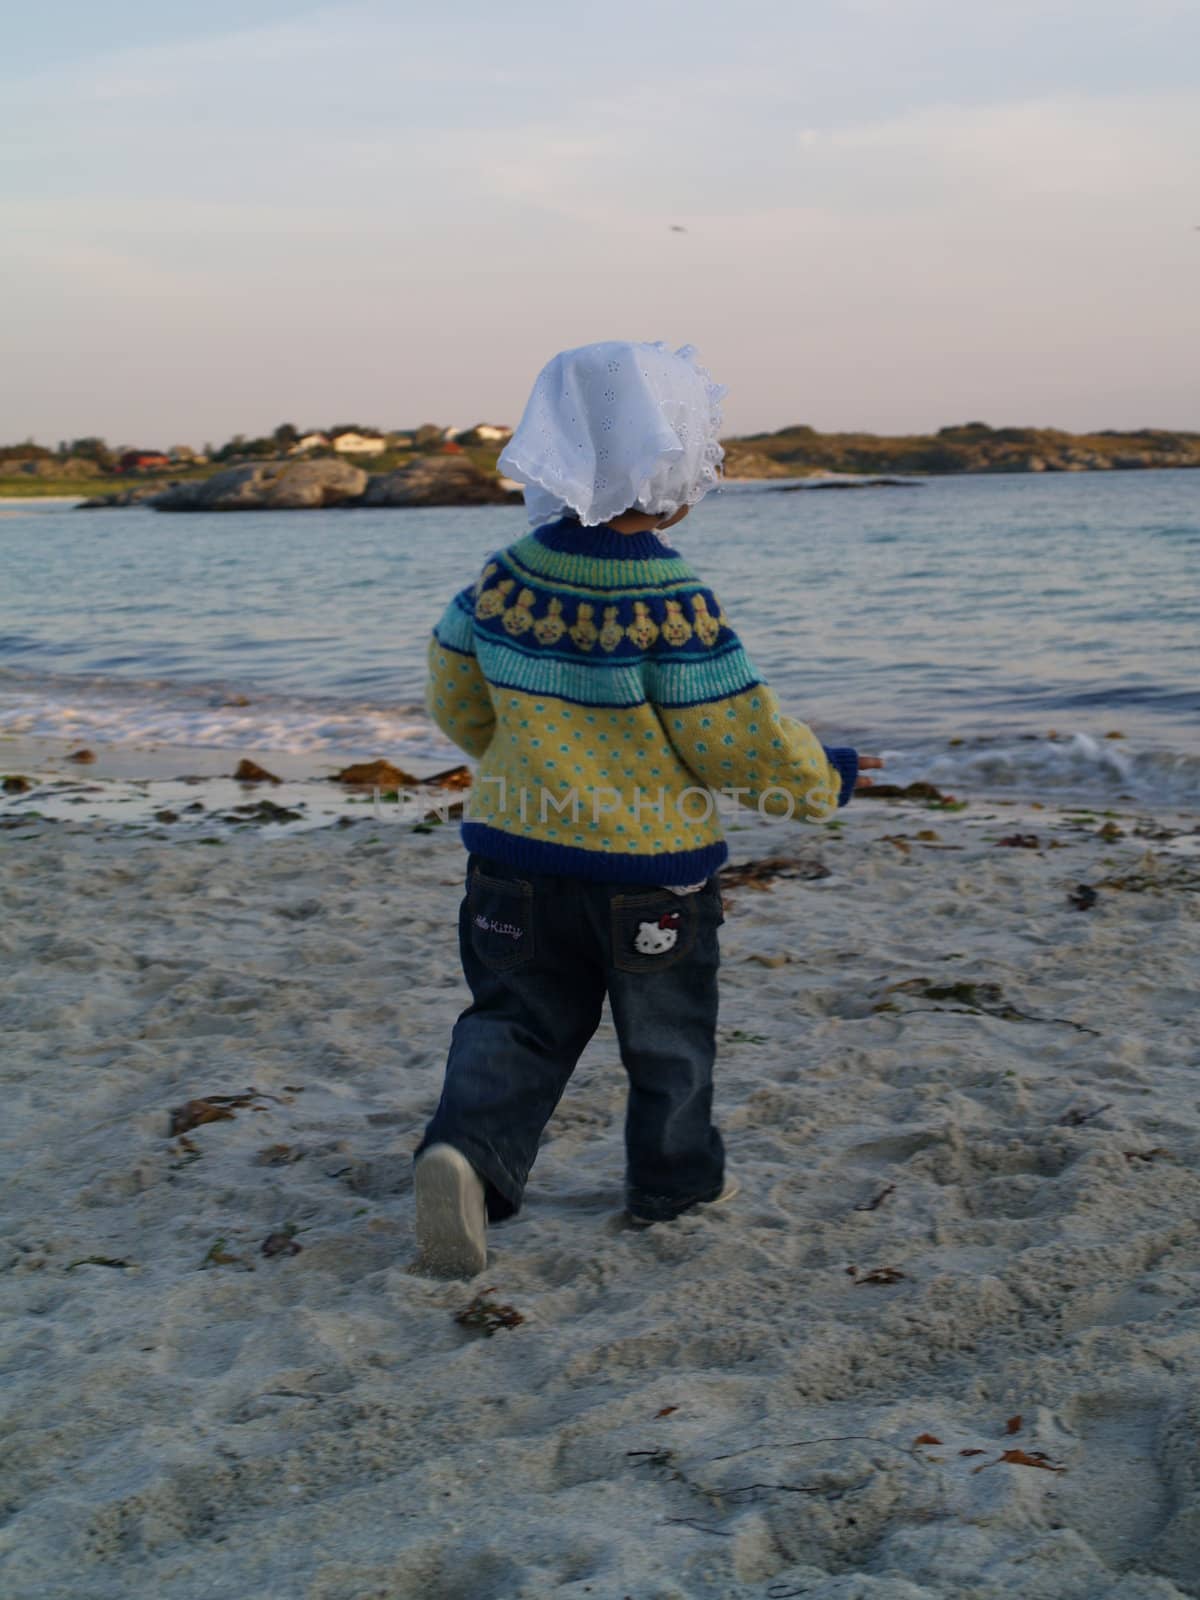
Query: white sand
[319, 1427]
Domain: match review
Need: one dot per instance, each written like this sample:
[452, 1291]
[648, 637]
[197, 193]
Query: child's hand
[866, 762]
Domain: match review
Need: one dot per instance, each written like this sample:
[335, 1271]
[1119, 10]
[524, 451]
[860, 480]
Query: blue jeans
[539, 954]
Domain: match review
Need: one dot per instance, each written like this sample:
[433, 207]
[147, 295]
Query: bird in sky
[676, 228]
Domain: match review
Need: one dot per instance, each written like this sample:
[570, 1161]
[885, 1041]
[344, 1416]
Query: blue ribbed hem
[601, 543]
[603, 866]
[846, 762]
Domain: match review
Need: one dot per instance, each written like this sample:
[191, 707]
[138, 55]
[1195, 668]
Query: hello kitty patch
[656, 938]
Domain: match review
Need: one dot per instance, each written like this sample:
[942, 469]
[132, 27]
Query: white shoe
[451, 1214]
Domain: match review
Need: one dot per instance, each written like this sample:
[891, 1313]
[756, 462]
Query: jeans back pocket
[652, 931]
[500, 914]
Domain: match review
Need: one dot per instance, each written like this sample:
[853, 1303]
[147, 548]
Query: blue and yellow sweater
[605, 695]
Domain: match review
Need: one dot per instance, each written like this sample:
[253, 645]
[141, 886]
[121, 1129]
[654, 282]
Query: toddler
[605, 695]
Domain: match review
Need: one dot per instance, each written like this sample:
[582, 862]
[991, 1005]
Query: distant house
[309, 441]
[143, 461]
[182, 455]
[358, 444]
[482, 433]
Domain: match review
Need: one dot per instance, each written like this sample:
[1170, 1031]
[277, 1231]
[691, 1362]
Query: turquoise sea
[951, 627]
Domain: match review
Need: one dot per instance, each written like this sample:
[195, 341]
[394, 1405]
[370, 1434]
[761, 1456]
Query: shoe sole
[451, 1216]
[732, 1188]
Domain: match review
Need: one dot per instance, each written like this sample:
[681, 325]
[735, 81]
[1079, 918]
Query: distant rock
[135, 495]
[851, 483]
[250, 772]
[438, 481]
[82, 756]
[452, 778]
[269, 486]
[376, 775]
[299, 485]
[383, 775]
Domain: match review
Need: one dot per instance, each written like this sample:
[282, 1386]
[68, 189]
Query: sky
[897, 214]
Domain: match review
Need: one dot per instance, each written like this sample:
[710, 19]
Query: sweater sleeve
[728, 729]
[456, 693]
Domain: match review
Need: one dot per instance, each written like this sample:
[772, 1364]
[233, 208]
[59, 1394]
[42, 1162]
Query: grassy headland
[971, 447]
[31, 471]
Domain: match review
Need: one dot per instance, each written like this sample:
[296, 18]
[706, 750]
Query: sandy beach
[944, 1343]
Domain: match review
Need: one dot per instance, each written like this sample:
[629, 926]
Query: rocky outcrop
[269, 486]
[968, 447]
[297, 485]
[849, 483]
[137, 495]
[438, 481]
[248, 771]
[382, 774]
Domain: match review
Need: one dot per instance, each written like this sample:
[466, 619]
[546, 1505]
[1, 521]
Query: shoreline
[104, 494]
[131, 786]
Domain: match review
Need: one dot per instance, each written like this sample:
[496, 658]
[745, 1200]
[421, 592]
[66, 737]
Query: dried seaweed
[876, 1200]
[214, 1108]
[488, 1316]
[1076, 1116]
[217, 1256]
[1021, 1458]
[282, 1242]
[970, 998]
[762, 873]
[1156, 877]
[927, 793]
[263, 811]
[877, 1275]
[277, 1155]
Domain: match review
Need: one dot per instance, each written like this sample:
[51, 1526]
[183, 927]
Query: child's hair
[614, 427]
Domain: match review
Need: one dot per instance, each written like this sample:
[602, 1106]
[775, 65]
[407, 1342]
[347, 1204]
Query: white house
[358, 444]
[310, 441]
[481, 433]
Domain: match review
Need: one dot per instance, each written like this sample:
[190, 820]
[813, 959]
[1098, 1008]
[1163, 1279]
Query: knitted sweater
[605, 695]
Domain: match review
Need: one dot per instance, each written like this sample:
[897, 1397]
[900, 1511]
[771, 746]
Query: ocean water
[988, 633]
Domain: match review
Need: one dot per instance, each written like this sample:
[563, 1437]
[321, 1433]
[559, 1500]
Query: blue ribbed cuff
[846, 762]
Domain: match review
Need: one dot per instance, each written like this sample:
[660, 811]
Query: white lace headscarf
[614, 427]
